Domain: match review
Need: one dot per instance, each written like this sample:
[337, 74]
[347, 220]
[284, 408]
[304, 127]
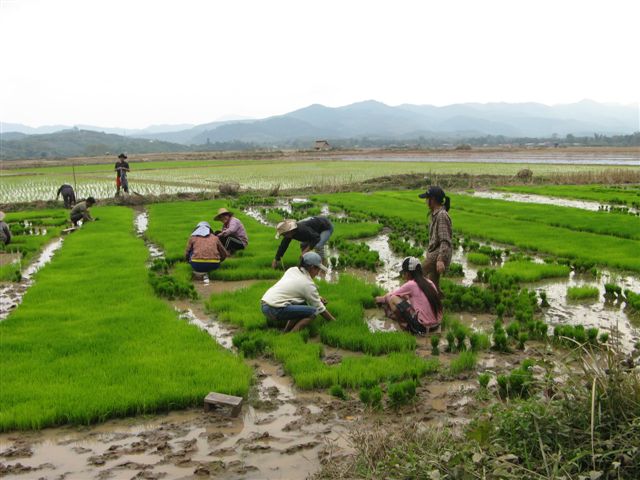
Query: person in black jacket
[312, 233]
[68, 195]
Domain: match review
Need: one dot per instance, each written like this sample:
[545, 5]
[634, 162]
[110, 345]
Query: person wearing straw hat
[5, 231]
[313, 234]
[121, 168]
[204, 250]
[233, 234]
[294, 301]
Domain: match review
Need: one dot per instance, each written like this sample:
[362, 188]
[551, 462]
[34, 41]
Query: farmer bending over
[204, 250]
[121, 168]
[233, 235]
[81, 212]
[294, 300]
[68, 195]
[416, 305]
[312, 233]
[439, 249]
[5, 232]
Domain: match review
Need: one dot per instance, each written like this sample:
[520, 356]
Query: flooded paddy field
[290, 428]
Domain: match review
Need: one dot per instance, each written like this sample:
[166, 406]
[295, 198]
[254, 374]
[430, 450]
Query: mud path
[11, 293]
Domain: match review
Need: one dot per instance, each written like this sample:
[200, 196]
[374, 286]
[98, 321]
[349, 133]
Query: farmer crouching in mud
[204, 250]
[293, 302]
[416, 305]
[312, 233]
[440, 249]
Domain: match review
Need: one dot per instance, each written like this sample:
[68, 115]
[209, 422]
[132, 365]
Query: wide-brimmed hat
[434, 192]
[1, 216]
[222, 211]
[285, 226]
[122, 155]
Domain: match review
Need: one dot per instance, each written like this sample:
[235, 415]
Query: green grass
[464, 362]
[624, 226]
[525, 271]
[529, 235]
[623, 195]
[583, 292]
[478, 258]
[91, 341]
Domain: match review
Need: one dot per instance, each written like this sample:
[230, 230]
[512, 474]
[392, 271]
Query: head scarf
[203, 229]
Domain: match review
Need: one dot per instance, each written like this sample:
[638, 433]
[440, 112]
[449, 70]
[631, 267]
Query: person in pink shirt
[233, 234]
[416, 305]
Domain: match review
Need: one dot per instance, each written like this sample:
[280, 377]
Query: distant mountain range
[369, 119]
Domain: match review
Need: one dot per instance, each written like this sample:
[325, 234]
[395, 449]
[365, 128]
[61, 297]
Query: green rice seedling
[500, 309]
[632, 300]
[500, 342]
[455, 270]
[544, 302]
[483, 380]
[356, 254]
[522, 339]
[583, 292]
[464, 362]
[175, 285]
[592, 335]
[612, 291]
[355, 231]
[371, 397]
[461, 335]
[338, 392]
[404, 248]
[127, 354]
[513, 330]
[401, 393]
[604, 337]
[478, 258]
[451, 341]
[579, 334]
[240, 307]
[479, 341]
[518, 384]
[435, 345]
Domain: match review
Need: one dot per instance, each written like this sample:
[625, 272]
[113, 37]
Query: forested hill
[75, 143]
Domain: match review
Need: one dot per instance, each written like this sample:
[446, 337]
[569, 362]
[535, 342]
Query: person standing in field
[5, 231]
[313, 234]
[204, 250]
[81, 212]
[416, 305]
[68, 195]
[440, 247]
[233, 234]
[294, 301]
[121, 168]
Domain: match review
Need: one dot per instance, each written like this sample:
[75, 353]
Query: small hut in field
[322, 145]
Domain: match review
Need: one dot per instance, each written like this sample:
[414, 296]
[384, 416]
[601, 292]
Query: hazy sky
[133, 63]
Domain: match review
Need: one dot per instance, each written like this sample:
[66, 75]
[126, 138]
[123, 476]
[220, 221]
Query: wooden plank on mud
[221, 400]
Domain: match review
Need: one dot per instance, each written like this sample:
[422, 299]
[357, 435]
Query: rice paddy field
[109, 346]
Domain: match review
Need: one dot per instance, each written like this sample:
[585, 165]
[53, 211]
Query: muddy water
[11, 293]
[531, 198]
[141, 223]
[256, 214]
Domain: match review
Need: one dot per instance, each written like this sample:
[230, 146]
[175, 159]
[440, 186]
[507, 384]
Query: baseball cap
[434, 192]
[409, 264]
[312, 259]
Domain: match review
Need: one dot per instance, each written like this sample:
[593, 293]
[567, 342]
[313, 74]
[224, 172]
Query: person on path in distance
[5, 231]
[313, 234]
[233, 234]
[81, 212]
[204, 250]
[416, 305]
[440, 248]
[293, 302]
[121, 168]
[68, 195]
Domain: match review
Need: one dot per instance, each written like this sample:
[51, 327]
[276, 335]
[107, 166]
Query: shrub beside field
[91, 341]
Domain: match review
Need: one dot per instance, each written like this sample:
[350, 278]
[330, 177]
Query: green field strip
[90, 341]
[623, 195]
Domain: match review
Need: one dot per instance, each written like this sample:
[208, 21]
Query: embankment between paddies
[91, 341]
[622, 195]
[528, 235]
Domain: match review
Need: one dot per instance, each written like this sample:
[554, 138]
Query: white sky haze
[138, 62]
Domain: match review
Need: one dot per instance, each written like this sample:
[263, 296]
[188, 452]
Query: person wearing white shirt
[294, 301]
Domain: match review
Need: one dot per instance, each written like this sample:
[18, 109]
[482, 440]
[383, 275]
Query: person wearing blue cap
[294, 301]
[440, 249]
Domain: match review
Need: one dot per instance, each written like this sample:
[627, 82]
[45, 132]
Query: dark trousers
[69, 199]
[231, 244]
